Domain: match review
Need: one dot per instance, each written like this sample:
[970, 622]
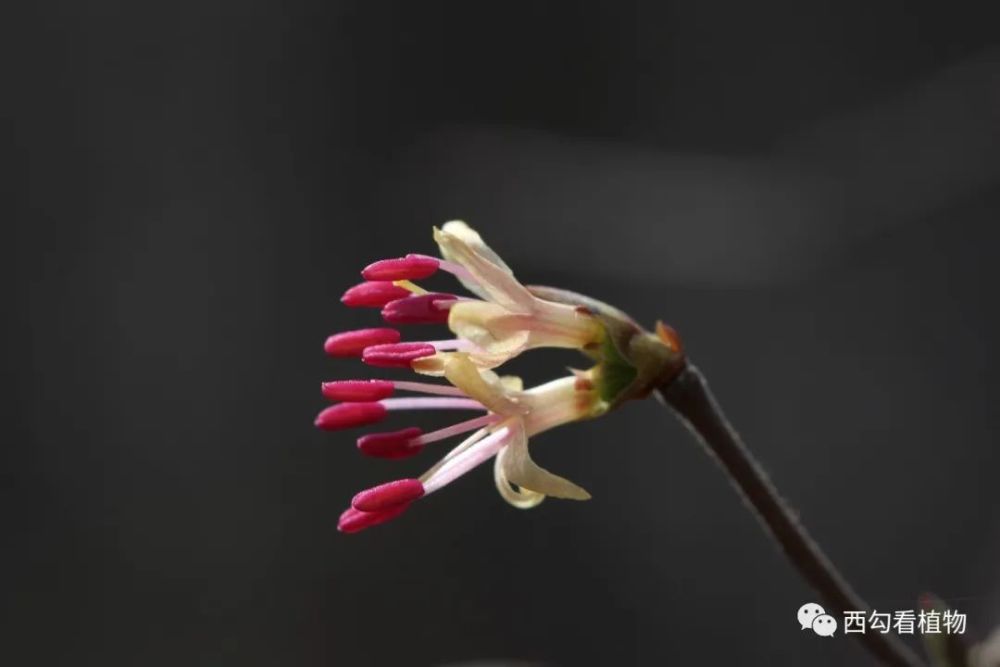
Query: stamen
[353, 343]
[455, 429]
[390, 494]
[358, 390]
[411, 267]
[414, 267]
[475, 455]
[348, 415]
[421, 309]
[373, 294]
[431, 403]
[463, 446]
[412, 288]
[429, 388]
[392, 445]
[353, 521]
[397, 355]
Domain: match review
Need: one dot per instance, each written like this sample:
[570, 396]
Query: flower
[503, 322]
[510, 416]
[507, 319]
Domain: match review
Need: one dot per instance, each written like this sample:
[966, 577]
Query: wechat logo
[814, 617]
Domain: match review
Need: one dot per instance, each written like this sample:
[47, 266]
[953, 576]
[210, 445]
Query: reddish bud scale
[393, 445]
[398, 355]
[373, 294]
[348, 415]
[353, 521]
[358, 390]
[411, 267]
[353, 343]
[390, 494]
[421, 309]
[670, 337]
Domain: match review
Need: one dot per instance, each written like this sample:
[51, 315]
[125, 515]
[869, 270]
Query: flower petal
[511, 383]
[471, 238]
[492, 278]
[490, 327]
[522, 499]
[518, 468]
[483, 386]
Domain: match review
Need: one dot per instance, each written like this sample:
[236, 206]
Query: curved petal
[512, 383]
[434, 364]
[470, 237]
[483, 386]
[490, 327]
[491, 278]
[522, 499]
[518, 468]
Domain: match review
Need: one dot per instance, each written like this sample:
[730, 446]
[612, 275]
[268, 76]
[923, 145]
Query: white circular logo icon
[808, 613]
[824, 625]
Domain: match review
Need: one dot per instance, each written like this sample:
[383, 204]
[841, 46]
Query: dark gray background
[809, 192]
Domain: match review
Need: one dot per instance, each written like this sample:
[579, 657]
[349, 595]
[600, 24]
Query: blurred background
[808, 192]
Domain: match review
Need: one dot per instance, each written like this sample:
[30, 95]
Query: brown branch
[688, 394]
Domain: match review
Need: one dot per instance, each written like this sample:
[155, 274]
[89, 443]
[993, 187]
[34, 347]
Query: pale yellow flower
[502, 320]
